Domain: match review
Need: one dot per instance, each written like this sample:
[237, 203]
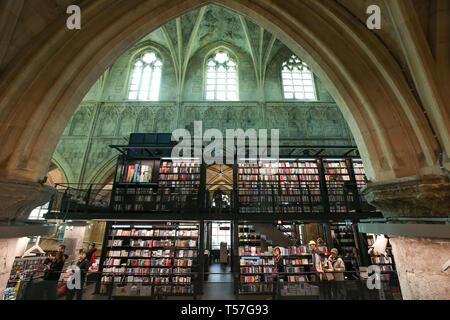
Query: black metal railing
[213, 198]
[354, 287]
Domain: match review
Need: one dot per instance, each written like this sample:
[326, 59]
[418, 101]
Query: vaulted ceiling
[212, 24]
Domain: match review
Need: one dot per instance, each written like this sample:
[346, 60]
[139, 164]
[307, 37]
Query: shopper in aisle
[356, 263]
[52, 274]
[337, 286]
[321, 245]
[91, 253]
[83, 265]
[315, 252]
[62, 248]
[279, 275]
[325, 270]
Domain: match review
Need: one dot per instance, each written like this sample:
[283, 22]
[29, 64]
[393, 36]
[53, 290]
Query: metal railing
[354, 287]
[212, 198]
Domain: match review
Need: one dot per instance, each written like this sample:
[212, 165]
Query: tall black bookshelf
[150, 259]
[257, 269]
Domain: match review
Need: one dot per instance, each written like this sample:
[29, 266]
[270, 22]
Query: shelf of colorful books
[338, 184]
[279, 187]
[257, 268]
[151, 255]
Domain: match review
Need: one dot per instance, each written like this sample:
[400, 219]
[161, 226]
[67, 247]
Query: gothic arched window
[298, 82]
[146, 77]
[221, 77]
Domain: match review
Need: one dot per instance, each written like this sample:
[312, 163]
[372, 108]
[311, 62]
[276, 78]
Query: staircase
[272, 236]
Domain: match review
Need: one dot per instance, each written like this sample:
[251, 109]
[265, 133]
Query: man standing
[337, 286]
[83, 265]
[315, 252]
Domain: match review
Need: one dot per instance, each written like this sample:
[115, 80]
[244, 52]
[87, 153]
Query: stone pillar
[7, 255]
[415, 208]
[19, 198]
[420, 264]
[73, 240]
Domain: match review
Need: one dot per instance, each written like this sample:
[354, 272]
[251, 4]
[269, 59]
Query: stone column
[73, 239]
[416, 209]
[7, 255]
[19, 198]
[420, 264]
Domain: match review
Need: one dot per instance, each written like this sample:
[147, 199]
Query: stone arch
[63, 166]
[365, 81]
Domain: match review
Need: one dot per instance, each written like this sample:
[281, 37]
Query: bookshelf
[150, 259]
[249, 237]
[290, 186]
[337, 183]
[24, 269]
[156, 185]
[257, 267]
[385, 262]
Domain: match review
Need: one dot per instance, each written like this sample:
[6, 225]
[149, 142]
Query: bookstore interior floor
[330, 142]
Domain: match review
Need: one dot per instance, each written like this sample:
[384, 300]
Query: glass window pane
[220, 87]
[211, 81]
[231, 88]
[310, 95]
[220, 95]
[132, 95]
[232, 96]
[210, 88]
[299, 95]
[288, 95]
[221, 81]
[210, 95]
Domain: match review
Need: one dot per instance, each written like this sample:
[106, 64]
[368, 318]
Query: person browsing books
[321, 245]
[279, 269]
[325, 268]
[338, 289]
[338, 265]
[52, 275]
